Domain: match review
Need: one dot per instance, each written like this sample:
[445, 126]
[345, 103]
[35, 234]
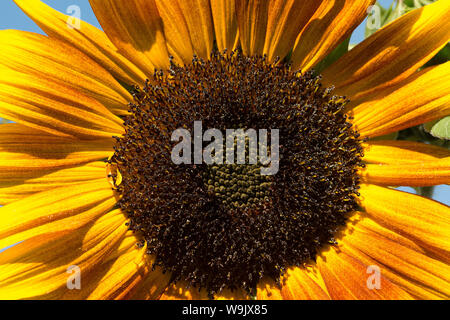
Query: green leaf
[338, 52]
[390, 136]
[439, 128]
[441, 57]
[425, 191]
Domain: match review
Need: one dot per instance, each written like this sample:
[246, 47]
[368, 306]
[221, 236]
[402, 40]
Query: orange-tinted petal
[423, 97]
[402, 152]
[333, 22]
[188, 28]
[429, 173]
[135, 27]
[225, 24]
[87, 39]
[54, 108]
[392, 53]
[286, 18]
[425, 221]
[346, 278]
[397, 258]
[51, 60]
[252, 16]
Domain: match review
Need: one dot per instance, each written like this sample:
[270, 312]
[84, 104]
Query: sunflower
[87, 180]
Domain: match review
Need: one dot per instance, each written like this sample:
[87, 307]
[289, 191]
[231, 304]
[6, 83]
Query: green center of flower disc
[238, 186]
[227, 225]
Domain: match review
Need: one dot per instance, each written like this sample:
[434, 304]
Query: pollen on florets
[226, 226]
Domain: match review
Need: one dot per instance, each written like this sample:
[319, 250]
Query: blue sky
[13, 18]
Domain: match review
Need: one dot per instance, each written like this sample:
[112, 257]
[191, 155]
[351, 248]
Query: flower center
[238, 186]
[228, 224]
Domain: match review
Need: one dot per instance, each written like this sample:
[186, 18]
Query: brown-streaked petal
[51, 60]
[26, 153]
[399, 259]
[252, 16]
[332, 22]
[37, 268]
[286, 18]
[225, 24]
[425, 221]
[393, 53]
[427, 173]
[135, 28]
[59, 209]
[188, 28]
[54, 108]
[346, 278]
[88, 39]
[14, 187]
[423, 97]
[402, 152]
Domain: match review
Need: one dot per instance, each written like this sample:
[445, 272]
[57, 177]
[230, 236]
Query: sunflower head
[233, 169]
[226, 225]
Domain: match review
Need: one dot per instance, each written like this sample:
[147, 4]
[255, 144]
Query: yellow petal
[427, 173]
[179, 291]
[33, 269]
[392, 53]
[332, 22]
[252, 16]
[303, 283]
[188, 28]
[286, 18]
[26, 152]
[236, 294]
[152, 286]
[134, 26]
[54, 108]
[225, 24]
[59, 209]
[399, 259]
[425, 221]
[300, 285]
[402, 152]
[94, 277]
[268, 290]
[346, 279]
[423, 97]
[14, 188]
[88, 39]
[52, 61]
[125, 274]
